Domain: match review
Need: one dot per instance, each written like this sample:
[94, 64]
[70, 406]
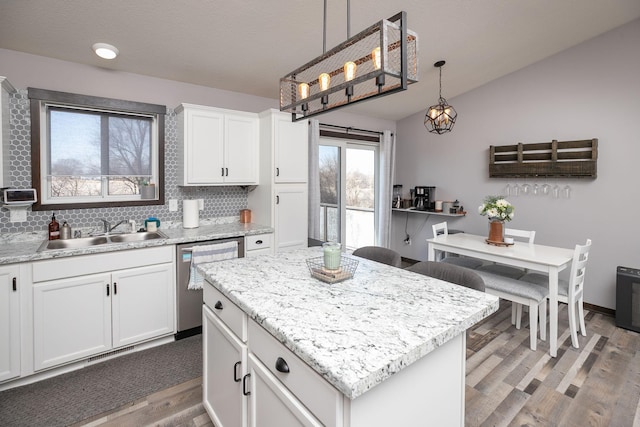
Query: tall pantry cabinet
[281, 198]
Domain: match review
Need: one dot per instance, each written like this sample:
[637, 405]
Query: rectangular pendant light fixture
[381, 60]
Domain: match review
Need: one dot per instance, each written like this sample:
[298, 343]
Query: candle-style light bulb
[376, 58]
[303, 90]
[349, 70]
[324, 79]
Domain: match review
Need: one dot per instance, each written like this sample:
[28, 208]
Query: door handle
[281, 365]
[218, 305]
[277, 200]
[15, 284]
[235, 372]
[258, 242]
[115, 288]
[222, 169]
[107, 289]
[244, 385]
[227, 171]
[277, 171]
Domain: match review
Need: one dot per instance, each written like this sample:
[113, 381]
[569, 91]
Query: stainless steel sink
[136, 237]
[87, 242]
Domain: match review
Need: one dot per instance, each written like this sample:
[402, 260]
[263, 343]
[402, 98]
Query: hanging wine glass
[526, 189]
[536, 189]
[546, 189]
[556, 191]
[567, 192]
[507, 190]
[515, 190]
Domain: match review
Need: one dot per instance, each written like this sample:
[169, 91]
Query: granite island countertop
[355, 333]
[23, 247]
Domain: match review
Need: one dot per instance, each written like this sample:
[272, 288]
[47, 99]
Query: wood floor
[507, 383]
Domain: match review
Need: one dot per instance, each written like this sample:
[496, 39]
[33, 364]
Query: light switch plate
[201, 204]
[173, 205]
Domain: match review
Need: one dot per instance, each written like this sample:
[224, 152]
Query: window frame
[40, 98]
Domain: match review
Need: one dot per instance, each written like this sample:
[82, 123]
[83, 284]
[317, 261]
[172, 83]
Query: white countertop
[355, 333]
[23, 248]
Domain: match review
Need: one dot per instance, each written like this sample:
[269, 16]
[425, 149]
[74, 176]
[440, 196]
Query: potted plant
[498, 210]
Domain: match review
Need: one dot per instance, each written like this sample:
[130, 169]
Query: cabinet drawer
[260, 241]
[228, 312]
[320, 397]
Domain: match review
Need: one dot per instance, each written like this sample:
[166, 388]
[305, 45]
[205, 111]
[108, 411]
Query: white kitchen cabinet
[225, 359]
[271, 404]
[91, 304]
[6, 89]
[216, 146]
[9, 322]
[280, 200]
[290, 216]
[258, 244]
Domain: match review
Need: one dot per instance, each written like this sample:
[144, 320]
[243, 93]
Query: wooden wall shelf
[568, 159]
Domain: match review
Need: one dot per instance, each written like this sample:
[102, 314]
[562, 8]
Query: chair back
[523, 234]
[450, 273]
[578, 270]
[440, 228]
[380, 254]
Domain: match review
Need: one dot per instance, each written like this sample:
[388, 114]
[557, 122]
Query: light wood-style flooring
[507, 383]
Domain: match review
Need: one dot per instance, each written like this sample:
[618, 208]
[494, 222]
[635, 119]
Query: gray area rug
[78, 395]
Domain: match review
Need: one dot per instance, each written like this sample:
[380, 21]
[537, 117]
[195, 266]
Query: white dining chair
[442, 228]
[505, 270]
[523, 293]
[570, 292]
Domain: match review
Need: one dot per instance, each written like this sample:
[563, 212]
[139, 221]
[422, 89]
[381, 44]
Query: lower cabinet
[77, 317]
[238, 387]
[258, 244]
[9, 323]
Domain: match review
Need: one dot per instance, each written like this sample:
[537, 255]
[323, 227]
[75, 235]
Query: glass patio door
[348, 185]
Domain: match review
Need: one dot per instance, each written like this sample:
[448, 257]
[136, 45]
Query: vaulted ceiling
[247, 45]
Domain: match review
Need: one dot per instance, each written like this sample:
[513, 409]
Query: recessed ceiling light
[106, 51]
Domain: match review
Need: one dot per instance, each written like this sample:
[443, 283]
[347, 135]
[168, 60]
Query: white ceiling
[247, 45]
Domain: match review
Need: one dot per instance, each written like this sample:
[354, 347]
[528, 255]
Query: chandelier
[441, 117]
[381, 60]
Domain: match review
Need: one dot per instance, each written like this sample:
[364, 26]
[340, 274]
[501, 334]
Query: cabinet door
[71, 319]
[143, 304]
[291, 216]
[241, 149]
[225, 365]
[271, 404]
[204, 141]
[291, 147]
[9, 323]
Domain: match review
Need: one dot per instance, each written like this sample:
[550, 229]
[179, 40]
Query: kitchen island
[384, 348]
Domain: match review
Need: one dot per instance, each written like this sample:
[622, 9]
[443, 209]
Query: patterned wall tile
[218, 201]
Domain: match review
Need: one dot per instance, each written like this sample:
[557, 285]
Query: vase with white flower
[498, 210]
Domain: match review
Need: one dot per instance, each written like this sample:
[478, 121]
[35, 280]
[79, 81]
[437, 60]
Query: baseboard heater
[111, 353]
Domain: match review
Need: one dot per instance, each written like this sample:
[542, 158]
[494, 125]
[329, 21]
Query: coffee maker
[425, 198]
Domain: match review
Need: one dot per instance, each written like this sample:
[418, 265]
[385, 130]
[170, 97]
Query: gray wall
[589, 91]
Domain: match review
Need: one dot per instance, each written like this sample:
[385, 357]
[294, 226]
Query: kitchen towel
[190, 214]
[209, 253]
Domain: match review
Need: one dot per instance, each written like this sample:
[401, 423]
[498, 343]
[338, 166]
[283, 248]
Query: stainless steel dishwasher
[189, 302]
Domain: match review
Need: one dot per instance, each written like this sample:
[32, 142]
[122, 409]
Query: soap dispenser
[65, 231]
[54, 228]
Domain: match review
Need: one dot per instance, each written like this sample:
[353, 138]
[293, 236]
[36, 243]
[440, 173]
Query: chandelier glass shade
[441, 117]
[378, 61]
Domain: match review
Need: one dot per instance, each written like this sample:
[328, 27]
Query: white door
[271, 404]
[291, 148]
[9, 323]
[71, 319]
[204, 142]
[142, 304]
[241, 149]
[225, 365]
[291, 216]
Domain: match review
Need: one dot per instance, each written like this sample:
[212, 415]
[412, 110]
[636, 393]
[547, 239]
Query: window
[347, 205]
[95, 152]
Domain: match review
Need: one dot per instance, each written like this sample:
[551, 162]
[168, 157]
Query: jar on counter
[332, 255]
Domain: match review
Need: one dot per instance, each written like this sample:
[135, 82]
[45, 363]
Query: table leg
[431, 253]
[553, 312]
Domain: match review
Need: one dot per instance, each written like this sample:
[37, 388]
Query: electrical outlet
[173, 205]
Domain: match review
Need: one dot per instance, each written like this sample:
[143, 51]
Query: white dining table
[547, 259]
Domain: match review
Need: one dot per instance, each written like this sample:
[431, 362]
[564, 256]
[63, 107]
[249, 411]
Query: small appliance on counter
[425, 198]
[396, 202]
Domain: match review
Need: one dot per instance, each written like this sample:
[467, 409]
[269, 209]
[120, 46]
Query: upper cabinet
[6, 90]
[290, 148]
[216, 146]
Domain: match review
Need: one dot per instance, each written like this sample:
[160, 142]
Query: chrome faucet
[106, 225]
[114, 227]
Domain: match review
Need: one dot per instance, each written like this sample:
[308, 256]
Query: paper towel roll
[190, 214]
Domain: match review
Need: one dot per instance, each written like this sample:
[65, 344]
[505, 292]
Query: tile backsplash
[218, 201]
